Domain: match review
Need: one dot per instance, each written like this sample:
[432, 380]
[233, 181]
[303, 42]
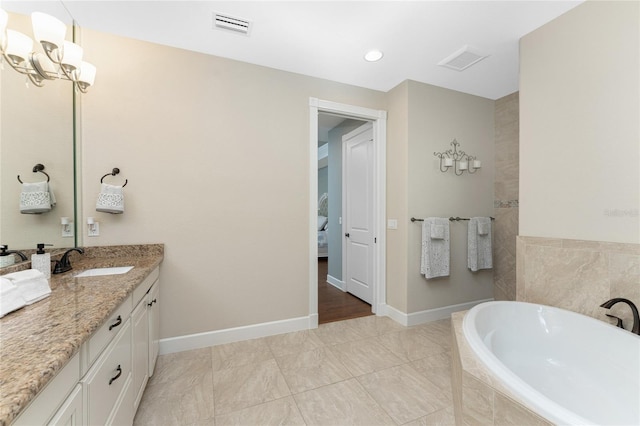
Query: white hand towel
[437, 232]
[110, 199]
[479, 244]
[36, 198]
[27, 274]
[31, 283]
[435, 252]
[10, 297]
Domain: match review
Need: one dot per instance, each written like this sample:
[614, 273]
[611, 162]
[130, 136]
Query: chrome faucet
[64, 265]
[636, 317]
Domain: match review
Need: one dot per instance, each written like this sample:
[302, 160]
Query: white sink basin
[96, 272]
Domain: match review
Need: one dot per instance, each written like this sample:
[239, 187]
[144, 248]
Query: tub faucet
[636, 317]
[64, 265]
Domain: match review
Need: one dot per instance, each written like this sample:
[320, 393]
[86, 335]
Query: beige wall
[579, 162]
[424, 119]
[218, 171]
[579, 104]
[216, 153]
[397, 185]
[505, 200]
[436, 117]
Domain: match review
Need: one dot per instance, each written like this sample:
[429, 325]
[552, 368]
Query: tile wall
[505, 203]
[578, 275]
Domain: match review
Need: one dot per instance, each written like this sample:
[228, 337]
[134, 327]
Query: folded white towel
[484, 228]
[10, 297]
[479, 244]
[110, 199]
[36, 198]
[435, 257]
[437, 232]
[31, 283]
[27, 274]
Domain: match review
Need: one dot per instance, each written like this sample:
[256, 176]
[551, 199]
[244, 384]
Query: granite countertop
[38, 340]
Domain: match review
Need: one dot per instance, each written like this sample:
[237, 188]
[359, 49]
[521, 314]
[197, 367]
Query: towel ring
[114, 172]
[37, 168]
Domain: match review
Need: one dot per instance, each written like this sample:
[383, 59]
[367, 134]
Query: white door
[358, 211]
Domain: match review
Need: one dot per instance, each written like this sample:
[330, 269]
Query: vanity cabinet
[154, 325]
[145, 319]
[53, 398]
[140, 321]
[71, 412]
[103, 383]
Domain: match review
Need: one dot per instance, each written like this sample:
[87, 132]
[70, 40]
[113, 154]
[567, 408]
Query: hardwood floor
[335, 304]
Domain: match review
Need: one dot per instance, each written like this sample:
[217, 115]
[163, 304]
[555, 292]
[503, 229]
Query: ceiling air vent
[230, 23]
[462, 59]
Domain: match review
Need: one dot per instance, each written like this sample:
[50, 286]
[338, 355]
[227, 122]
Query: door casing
[379, 121]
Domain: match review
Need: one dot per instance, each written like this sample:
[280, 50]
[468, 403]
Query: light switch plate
[392, 223]
[68, 233]
[95, 232]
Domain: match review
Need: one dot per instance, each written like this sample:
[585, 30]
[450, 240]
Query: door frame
[379, 120]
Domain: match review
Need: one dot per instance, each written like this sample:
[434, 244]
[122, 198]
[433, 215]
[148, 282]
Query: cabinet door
[154, 325]
[70, 414]
[140, 346]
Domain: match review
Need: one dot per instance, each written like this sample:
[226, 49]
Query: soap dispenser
[41, 260]
[6, 258]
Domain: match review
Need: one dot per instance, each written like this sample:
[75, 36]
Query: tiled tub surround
[479, 397]
[506, 196]
[37, 341]
[578, 275]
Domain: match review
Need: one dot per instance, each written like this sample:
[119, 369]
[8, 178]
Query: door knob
[346, 235]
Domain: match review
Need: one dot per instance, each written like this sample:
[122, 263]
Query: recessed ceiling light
[373, 55]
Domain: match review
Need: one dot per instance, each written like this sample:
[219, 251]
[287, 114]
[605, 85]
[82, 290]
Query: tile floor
[363, 371]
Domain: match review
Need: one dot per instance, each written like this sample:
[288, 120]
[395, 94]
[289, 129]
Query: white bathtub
[569, 368]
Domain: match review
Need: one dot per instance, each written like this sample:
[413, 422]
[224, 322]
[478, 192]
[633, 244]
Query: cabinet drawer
[144, 287]
[104, 382]
[109, 329]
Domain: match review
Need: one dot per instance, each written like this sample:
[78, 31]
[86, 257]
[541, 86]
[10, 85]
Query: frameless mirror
[36, 127]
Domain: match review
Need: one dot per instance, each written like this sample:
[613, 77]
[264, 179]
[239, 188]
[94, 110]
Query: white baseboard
[428, 315]
[336, 283]
[229, 335]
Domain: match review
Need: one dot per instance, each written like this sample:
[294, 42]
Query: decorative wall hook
[458, 159]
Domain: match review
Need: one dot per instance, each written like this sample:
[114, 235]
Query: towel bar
[413, 219]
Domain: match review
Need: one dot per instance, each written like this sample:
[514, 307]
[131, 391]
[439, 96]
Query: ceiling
[328, 39]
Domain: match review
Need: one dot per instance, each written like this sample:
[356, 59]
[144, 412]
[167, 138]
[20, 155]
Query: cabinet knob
[152, 302]
[114, 378]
